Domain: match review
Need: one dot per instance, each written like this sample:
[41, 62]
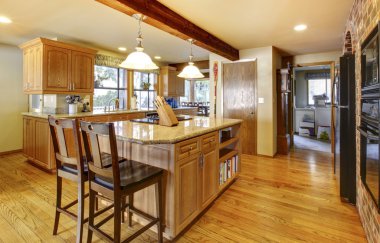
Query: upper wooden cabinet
[52, 67]
[170, 83]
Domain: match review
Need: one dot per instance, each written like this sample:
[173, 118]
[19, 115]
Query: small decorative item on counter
[73, 101]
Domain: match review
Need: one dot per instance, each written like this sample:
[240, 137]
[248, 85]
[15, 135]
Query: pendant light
[139, 60]
[191, 71]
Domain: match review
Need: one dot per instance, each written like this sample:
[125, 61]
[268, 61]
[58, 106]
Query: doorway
[239, 100]
[313, 114]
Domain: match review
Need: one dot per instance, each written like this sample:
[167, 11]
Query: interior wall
[317, 57]
[214, 58]
[266, 88]
[12, 99]
[363, 18]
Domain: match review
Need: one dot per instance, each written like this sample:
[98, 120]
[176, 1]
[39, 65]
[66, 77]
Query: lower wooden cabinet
[187, 182]
[196, 178]
[37, 145]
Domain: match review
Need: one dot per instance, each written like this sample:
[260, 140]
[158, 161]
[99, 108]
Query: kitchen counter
[97, 113]
[155, 134]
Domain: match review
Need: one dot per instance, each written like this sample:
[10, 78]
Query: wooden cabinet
[196, 176]
[28, 141]
[187, 182]
[170, 84]
[37, 145]
[82, 71]
[51, 67]
[56, 68]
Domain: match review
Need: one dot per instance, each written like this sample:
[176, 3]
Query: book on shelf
[227, 169]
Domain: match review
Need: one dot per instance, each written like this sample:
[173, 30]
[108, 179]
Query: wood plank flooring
[286, 199]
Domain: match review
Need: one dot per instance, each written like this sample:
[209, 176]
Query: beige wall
[317, 57]
[12, 99]
[216, 58]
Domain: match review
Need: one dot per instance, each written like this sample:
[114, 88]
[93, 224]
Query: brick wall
[363, 18]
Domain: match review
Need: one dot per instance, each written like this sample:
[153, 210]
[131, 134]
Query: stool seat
[131, 173]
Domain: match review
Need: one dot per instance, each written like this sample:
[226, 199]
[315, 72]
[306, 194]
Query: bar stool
[117, 182]
[69, 167]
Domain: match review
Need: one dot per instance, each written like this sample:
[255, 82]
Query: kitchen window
[110, 83]
[144, 85]
[318, 87]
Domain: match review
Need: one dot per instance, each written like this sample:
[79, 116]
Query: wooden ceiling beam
[169, 21]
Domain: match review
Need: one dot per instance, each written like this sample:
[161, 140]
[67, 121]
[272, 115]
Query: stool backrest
[91, 132]
[63, 130]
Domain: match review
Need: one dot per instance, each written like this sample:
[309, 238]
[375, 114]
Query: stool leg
[158, 190]
[130, 206]
[58, 204]
[91, 214]
[117, 219]
[80, 211]
[123, 203]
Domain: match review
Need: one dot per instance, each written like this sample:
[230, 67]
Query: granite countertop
[94, 113]
[143, 133]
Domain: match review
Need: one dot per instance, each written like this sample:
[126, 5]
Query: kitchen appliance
[153, 118]
[369, 117]
[345, 128]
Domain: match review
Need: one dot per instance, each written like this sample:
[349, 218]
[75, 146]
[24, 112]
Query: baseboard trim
[10, 152]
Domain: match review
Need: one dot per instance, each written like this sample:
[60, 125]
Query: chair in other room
[117, 182]
[70, 165]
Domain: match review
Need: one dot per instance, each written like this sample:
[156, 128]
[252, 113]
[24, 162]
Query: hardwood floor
[286, 199]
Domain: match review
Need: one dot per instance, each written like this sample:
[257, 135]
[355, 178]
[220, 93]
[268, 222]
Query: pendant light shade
[191, 71]
[139, 60]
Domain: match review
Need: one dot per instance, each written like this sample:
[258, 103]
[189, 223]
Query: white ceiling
[241, 23]
[257, 23]
[90, 23]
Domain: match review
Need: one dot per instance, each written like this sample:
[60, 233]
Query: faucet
[116, 106]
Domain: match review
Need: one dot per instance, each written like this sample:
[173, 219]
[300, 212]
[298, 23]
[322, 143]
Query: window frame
[118, 88]
[155, 92]
[326, 85]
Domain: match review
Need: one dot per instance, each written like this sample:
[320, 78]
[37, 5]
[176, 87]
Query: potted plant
[145, 85]
[73, 101]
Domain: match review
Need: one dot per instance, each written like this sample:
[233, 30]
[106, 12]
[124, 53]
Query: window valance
[317, 75]
[112, 61]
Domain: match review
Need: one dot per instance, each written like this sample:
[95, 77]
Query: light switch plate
[261, 100]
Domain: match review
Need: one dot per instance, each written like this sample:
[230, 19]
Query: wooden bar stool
[71, 167]
[117, 182]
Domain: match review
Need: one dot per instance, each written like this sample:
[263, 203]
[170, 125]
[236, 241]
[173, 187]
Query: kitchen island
[201, 157]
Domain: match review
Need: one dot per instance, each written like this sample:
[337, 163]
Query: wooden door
[239, 100]
[28, 138]
[42, 142]
[82, 68]
[187, 179]
[57, 68]
[209, 177]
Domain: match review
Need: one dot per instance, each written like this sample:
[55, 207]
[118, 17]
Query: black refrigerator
[345, 128]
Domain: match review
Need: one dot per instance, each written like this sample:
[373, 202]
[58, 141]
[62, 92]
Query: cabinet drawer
[188, 148]
[209, 140]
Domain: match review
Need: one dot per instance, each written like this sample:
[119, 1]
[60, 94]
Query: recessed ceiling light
[5, 20]
[300, 27]
[157, 57]
[122, 48]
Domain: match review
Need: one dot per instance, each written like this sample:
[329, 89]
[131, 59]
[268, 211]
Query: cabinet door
[180, 86]
[27, 69]
[28, 138]
[42, 142]
[37, 68]
[172, 81]
[209, 177]
[82, 68]
[187, 183]
[57, 68]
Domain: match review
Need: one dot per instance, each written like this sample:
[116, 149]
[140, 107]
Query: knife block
[167, 116]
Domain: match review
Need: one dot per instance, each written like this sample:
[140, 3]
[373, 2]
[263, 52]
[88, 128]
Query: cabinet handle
[73, 86]
[201, 162]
